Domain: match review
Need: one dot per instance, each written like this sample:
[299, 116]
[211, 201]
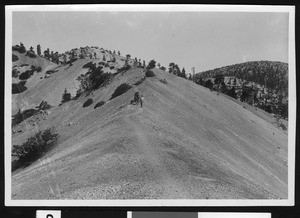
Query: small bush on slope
[121, 89]
[20, 49]
[36, 68]
[15, 73]
[26, 75]
[140, 81]
[88, 102]
[30, 54]
[20, 116]
[15, 58]
[19, 87]
[44, 106]
[50, 71]
[99, 104]
[149, 73]
[89, 65]
[34, 148]
[163, 81]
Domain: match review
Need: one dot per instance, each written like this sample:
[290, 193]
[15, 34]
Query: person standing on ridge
[141, 100]
[136, 97]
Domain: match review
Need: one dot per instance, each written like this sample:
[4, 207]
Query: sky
[204, 40]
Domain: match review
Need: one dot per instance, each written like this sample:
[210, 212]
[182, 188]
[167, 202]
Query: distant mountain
[271, 74]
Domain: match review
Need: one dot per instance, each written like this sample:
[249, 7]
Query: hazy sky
[205, 40]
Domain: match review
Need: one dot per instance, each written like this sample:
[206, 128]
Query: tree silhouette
[151, 65]
[38, 49]
[66, 96]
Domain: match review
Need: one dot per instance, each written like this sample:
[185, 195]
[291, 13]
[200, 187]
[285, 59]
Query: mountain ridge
[186, 142]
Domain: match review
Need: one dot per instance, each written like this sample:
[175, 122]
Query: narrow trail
[172, 189]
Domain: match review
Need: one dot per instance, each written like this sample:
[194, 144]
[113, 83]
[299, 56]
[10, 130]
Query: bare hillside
[185, 142]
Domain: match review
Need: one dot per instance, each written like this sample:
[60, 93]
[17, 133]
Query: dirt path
[172, 189]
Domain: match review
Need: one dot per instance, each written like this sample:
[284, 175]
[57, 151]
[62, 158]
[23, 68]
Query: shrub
[30, 54]
[88, 102]
[124, 68]
[18, 87]
[18, 48]
[163, 81]
[149, 73]
[89, 65]
[99, 104]
[72, 59]
[26, 75]
[101, 63]
[208, 84]
[140, 81]
[106, 65]
[15, 73]
[93, 79]
[49, 71]
[39, 69]
[112, 67]
[20, 116]
[151, 65]
[121, 90]
[35, 147]
[44, 105]
[34, 68]
[15, 58]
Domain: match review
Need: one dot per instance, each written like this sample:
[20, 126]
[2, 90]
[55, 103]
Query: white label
[48, 214]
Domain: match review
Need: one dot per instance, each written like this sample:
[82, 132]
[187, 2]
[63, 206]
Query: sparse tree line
[174, 69]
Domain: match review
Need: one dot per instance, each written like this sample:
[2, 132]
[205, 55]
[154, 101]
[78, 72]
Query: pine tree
[183, 75]
[66, 96]
[47, 54]
[151, 65]
[22, 48]
[113, 58]
[171, 67]
[38, 49]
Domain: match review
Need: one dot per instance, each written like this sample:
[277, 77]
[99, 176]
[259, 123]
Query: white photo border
[160, 8]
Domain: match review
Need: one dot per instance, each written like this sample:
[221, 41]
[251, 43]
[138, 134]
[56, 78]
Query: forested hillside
[260, 83]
